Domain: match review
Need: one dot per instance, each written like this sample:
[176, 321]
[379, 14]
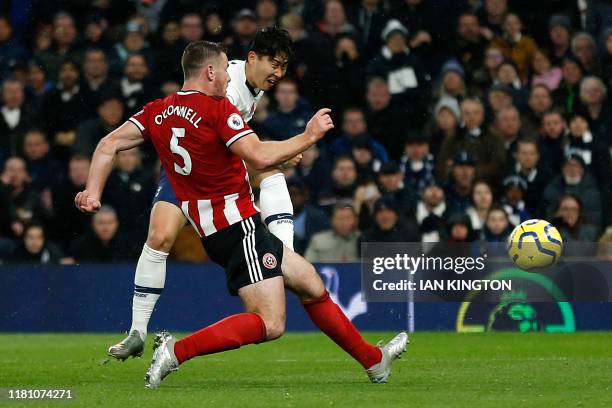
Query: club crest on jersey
[269, 261]
[235, 121]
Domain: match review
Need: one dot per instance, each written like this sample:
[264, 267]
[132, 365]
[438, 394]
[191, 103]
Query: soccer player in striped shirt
[202, 141]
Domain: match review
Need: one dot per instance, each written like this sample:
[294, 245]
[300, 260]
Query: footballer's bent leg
[165, 223]
[263, 320]
[275, 204]
[301, 278]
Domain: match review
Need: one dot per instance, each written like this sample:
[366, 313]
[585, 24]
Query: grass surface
[439, 369]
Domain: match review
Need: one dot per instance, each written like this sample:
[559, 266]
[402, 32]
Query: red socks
[329, 318]
[227, 334]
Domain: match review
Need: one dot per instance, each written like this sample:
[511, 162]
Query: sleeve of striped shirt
[231, 126]
[140, 119]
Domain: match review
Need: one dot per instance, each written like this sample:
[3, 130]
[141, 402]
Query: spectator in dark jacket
[409, 82]
[96, 82]
[574, 179]
[45, 171]
[35, 248]
[459, 188]
[594, 153]
[553, 140]
[15, 118]
[307, 219]
[291, 114]
[384, 119]
[567, 95]
[417, 163]
[11, 49]
[130, 190]
[354, 125]
[389, 226]
[572, 225]
[89, 132]
[102, 244]
[529, 167]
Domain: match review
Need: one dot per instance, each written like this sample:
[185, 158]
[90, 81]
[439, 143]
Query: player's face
[267, 70]
[221, 78]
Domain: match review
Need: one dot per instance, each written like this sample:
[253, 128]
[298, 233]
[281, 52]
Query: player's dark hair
[271, 42]
[197, 53]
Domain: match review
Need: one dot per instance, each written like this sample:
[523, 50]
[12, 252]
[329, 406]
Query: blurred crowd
[455, 119]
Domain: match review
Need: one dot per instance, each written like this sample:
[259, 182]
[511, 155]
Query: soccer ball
[535, 244]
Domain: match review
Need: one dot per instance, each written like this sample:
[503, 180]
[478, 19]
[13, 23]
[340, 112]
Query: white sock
[149, 282]
[276, 208]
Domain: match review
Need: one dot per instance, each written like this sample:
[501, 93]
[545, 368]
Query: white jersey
[239, 92]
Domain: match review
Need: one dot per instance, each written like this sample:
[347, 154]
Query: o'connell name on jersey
[192, 133]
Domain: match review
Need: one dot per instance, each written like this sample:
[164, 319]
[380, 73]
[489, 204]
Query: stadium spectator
[191, 28]
[391, 184]
[452, 84]
[417, 163]
[89, 133]
[574, 179]
[469, 43]
[430, 214]
[307, 219]
[447, 115]
[64, 46]
[459, 228]
[597, 108]
[291, 113]
[245, 28]
[267, 13]
[95, 35]
[344, 183]
[368, 19]
[168, 51]
[606, 58]
[339, 244]
[497, 227]
[544, 73]
[63, 108]
[363, 155]
[508, 75]
[11, 49]
[25, 205]
[515, 44]
[214, 26]
[486, 149]
[528, 167]
[102, 243]
[15, 118]
[483, 77]
[491, 17]
[45, 171]
[37, 85]
[136, 89]
[314, 171]
[96, 82]
[567, 94]
[388, 224]
[585, 49]
[572, 224]
[514, 188]
[384, 119]
[482, 202]
[404, 72]
[134, 43]
[334, 20]
[559, 33]
[130, 190]
[461, 182]
[553, 140]
[419, 17]
[347, 76]
[35, 248]
[507, 128]
[594, 153]
[353, 125]
[540, 101]
[499, 97]
[67, 222]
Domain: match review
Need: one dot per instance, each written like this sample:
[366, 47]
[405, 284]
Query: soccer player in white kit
[266, 63]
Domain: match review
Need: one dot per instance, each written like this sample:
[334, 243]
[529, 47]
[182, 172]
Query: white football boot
[379, 373]
[163, 362]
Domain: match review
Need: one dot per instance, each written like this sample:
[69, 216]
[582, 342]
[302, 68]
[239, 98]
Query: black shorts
[248, 252]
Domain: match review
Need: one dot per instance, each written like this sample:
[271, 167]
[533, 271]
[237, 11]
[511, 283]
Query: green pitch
[439, 369]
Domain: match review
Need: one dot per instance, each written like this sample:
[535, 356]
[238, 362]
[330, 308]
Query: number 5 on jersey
[181, 151]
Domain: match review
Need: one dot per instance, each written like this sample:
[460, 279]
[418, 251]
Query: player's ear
[210, 72]
[251, 56]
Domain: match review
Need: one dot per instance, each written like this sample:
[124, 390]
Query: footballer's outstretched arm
[262, 155]
[125, 137]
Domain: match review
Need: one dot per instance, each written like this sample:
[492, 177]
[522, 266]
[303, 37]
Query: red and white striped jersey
[192, 133]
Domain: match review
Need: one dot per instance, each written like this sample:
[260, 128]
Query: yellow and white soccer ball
[535, 244]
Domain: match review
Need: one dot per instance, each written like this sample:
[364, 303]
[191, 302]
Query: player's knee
[275, 327]
[160, 240]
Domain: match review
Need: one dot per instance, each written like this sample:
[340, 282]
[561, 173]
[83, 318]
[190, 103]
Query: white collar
[530, 176]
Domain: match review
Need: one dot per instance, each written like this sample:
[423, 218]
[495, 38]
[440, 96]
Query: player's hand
[85, 203]
[320, 123]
